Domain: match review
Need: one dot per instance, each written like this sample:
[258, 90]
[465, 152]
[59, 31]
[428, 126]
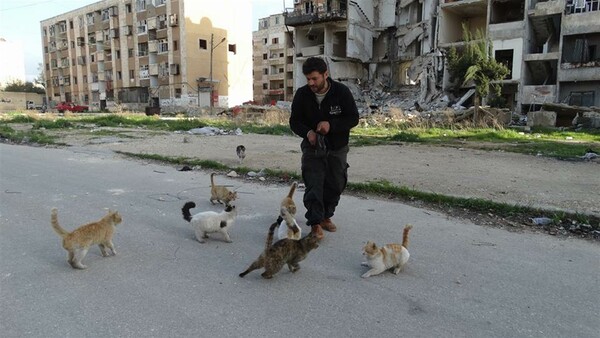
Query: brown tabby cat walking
[220, 193]
[78, 242]
[285, 251]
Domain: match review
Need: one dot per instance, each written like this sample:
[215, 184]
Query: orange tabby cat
[220, 193]
[78, 242]
[387, 257]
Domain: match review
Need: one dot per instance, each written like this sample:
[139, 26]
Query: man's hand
[323, 127]
[312, 137]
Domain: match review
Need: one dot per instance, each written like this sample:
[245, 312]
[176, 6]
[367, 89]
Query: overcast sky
[20, 22]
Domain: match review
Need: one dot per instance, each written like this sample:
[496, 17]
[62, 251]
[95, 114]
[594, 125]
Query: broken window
[581, 48]
[505, 57]
[585, 99]
[507, 11]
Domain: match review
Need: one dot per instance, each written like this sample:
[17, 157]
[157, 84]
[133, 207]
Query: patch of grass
[206, 164]
[20, 119]
[32, 136]
[53, 124]
[385, 188]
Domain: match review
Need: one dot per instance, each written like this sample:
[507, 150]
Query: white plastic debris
[232, 174]
[541, 220]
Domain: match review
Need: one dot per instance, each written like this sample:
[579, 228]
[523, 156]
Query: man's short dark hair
[314, 64]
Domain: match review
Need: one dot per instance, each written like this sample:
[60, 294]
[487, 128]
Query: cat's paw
[228, 241]
[366, 274]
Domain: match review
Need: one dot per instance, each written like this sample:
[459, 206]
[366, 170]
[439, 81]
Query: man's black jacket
[338, 108]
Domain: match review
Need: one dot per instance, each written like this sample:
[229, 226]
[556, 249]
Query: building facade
[552, 47]
[173, 54]
[273, 60]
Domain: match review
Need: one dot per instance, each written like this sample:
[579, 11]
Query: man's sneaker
[317, 231]
[328, 225]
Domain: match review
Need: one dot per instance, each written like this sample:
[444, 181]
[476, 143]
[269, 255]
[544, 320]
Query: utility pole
[212, 48]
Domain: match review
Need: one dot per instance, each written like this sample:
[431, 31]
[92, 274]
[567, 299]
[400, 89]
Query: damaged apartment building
[170, 54]
[551, 47]
[375, 42]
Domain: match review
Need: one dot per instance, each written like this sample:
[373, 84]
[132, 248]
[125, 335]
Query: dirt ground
[512, 178]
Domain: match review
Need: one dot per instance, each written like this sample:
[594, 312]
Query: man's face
[317, 82]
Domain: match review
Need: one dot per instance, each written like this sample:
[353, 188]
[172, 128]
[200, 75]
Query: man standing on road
[323, 112]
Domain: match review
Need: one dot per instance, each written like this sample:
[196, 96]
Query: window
[132, 74]
[159, 2]
[72, 44]
[585, 99]
[89, 17]
[177, 93]
[47, 66]
[162, 21]
[280, 55]
[163, 46]
[144, 72]
[71, 24]
[105, 14]
[74, 79]
[130, 52]
[118, 54]
[275, 41]
[119, 76]
[202, 44]
[231, 48]
[174, 44]
[505, 57]
[93, 58]
[163, 69]
[128, 8]
[265, 86]
[265, 56]
[142, 49]
[265, 71]
[46, 49]
[140, 5]
[265, 41]
[142, 26]
[84, 80]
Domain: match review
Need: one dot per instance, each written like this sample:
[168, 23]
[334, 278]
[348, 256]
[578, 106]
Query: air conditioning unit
[173, 20]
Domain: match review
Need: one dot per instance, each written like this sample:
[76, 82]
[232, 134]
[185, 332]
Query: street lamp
[212, 48]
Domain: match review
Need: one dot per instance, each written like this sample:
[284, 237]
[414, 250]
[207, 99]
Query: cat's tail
[270, 236]
[292, 190]
[212, 179]
[186, 210]
[405, 235]
[54, 221]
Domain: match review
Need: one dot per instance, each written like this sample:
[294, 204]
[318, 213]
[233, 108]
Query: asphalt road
[462, 280]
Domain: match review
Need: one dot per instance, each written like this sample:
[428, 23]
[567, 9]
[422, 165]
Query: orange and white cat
[387, 257]
[220, 193]
[288, 227]
[78, 242]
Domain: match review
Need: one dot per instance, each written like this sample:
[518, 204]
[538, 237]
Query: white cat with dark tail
[207, 222]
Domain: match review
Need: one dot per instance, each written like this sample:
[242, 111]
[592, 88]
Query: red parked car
[70, 106]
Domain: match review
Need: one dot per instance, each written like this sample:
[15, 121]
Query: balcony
[318, 15]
